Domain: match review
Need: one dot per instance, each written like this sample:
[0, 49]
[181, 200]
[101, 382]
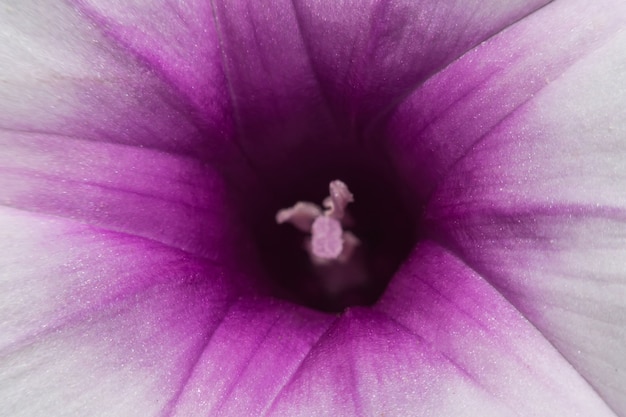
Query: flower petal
[68, 71]
[454, 109]
[176, 40]
[99, 323]
[537, 207]
[283, 123]
[305, 77]
[441, 342]
[249, 359]
[168, 198]
[369, 54]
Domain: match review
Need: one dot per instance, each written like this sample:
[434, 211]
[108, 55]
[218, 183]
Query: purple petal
[441, 342]
[442, 339]
[441, 121]
[304, 80]
[537, 204]
[94, 72]
[176, 41]
[368, 54]
[168, 198]
[106, 324]
[100, 323]
[254, 353]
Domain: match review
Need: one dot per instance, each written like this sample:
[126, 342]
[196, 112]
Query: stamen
[328, 241]
[301, 215]
[340, 197]
[326, 238]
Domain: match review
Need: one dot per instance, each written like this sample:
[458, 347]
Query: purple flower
[147, 146]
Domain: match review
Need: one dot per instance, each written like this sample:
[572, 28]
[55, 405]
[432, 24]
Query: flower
[146, 147]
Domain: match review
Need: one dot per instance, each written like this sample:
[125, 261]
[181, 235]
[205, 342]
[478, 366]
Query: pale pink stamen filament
[301, 215]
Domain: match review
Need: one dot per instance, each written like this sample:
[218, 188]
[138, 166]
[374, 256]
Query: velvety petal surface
[534, 201]
[190, 343]
[441, 121]
[367, 55]
[100, 323]
[94, 129]
[305, 77]
[441, 342]
[66, 72]
[169, 198]
[223, 80]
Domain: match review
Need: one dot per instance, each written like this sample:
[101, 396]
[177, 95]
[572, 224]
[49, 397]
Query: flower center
[343, 252]
[334, 252]
[328, 242]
